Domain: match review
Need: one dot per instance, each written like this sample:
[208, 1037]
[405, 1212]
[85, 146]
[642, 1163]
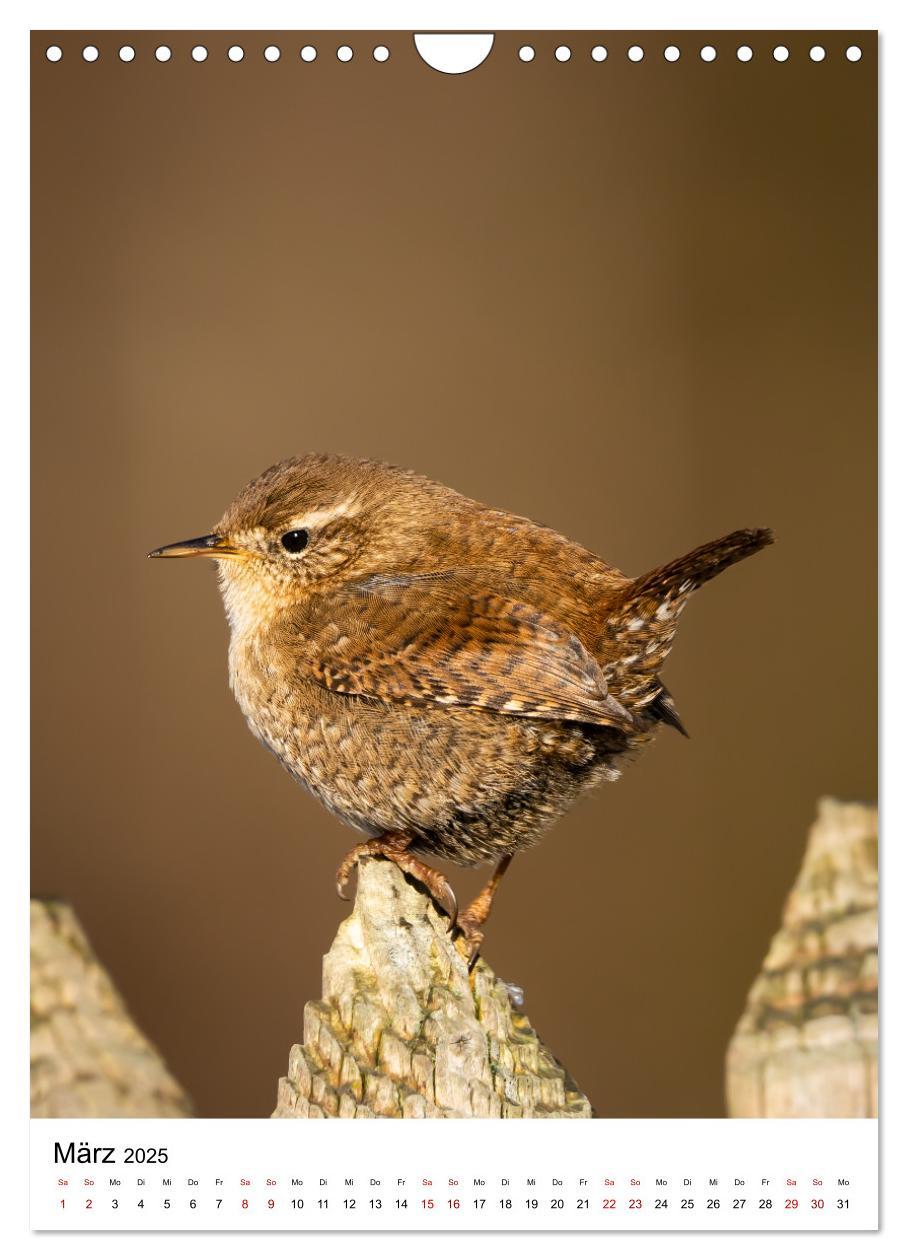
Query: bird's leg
[470, 921]
[394, 846]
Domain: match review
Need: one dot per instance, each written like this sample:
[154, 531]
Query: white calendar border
[568, 14]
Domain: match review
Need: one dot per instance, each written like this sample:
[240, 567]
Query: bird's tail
[678, 579]
[640, 628]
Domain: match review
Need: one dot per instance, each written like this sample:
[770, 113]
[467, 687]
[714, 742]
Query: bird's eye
[295, 541]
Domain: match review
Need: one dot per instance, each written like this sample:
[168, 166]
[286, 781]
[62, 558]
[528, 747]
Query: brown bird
[444, 677]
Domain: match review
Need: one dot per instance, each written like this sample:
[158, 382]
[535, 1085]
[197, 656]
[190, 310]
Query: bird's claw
[444, 895]
[470, 938]
[436, 886]
[433, 881]
[342, 878]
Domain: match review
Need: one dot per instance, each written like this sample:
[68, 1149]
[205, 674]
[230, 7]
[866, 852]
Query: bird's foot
[471, 921]
[469, 936]
[395, 848]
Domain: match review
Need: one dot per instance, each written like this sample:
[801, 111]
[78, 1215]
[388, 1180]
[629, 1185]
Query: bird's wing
[450, 639]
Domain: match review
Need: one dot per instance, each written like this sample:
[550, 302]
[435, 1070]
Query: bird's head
[310, 522]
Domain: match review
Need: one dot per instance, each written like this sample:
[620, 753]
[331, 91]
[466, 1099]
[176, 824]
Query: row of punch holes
[526, 53]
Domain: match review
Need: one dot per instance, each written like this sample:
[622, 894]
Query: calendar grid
[454, 1175]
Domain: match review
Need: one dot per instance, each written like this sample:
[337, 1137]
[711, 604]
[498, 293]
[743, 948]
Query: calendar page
[509, 401]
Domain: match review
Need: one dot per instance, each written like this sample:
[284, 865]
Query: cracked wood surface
[88, 1058]
[402, 1030]
[806, 1045]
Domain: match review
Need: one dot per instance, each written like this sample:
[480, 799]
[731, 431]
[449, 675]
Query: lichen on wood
[404, 1030]
[88, 1058]
[806, 1045]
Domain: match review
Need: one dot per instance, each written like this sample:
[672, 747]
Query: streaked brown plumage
[445, 677]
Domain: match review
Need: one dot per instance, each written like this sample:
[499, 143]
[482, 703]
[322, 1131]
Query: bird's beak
[211, 545]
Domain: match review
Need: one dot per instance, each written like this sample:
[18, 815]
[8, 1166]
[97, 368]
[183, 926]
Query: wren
[444, 677]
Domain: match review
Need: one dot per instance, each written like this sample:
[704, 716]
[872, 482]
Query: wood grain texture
[403, 1031]
[806, 1044]
[88, 1058]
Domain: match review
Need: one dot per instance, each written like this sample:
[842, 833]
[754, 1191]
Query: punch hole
[199, 53]
[672, 53]
[162, 53]
[127, 53]
[599, 53]
[90, 53]
[708, 53]
[272, 53]
[817, 53]
[381, 53]
[345, 53]
[562, 53]
[853, 53]
[526, 53]
[454, 54]
[308, 53]
[745, 53]
[780, 52]
[54, 53]
[236, 53]
[635, 53]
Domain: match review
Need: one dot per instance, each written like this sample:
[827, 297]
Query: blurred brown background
[634, 301]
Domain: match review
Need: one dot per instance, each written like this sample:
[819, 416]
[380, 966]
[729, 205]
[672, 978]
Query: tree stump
[403, 1030]
[88, 1058]
[806, 1045]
